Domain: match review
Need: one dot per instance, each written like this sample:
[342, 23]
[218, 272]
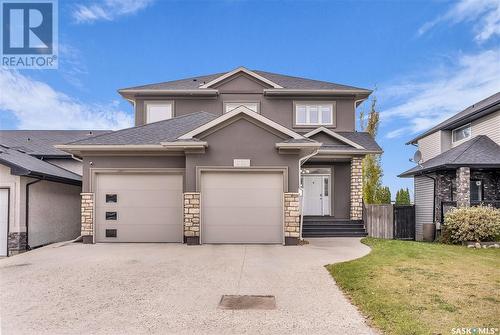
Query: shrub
[477, 224]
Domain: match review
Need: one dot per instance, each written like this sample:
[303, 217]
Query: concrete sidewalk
[175, 289]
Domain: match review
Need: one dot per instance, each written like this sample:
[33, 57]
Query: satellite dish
[417, 157]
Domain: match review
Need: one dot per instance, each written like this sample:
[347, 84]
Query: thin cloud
[36, 105]
[108, 10]
[484, 13]
[424, 102]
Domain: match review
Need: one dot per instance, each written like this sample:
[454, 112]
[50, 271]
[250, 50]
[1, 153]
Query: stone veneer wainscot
[292, 218]
[192, 218]
[87, 218]
[356, 189]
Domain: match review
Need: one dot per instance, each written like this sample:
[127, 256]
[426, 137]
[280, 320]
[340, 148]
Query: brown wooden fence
[379, 221]
[390, 221]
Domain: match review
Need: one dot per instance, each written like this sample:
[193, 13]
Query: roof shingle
[41, 142]
[288, 82]
[479, 151]
[24, 164]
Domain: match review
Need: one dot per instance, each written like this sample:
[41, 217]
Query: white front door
[316, 195]
[4, 220]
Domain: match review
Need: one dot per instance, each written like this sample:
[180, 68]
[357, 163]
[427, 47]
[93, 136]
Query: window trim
[240, 102]
[468, 125]
[333, 103]
[156, 102]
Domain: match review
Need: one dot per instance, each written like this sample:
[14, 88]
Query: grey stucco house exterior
[460, 165]
[223, 158]
[40, 188]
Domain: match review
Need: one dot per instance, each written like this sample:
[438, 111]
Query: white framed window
[158, 110]
[461, 133]
[314, 114]
[230, 106]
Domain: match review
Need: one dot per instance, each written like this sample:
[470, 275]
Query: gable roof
[40, 143]
[480, 151]
[334, 135]
[477, 110]
[25, 165]
[242, 70]
[152, 133]
[277, 81]
[238, 111]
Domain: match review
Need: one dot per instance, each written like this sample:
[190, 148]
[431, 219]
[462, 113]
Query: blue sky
[426, 59]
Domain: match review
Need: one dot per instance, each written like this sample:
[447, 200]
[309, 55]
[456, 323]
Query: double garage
[240, 206]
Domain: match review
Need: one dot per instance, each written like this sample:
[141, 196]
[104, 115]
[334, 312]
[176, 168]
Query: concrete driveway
[175, 289]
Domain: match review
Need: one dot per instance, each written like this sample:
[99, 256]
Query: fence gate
[404, 222]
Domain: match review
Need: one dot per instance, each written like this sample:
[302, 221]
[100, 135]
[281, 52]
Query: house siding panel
[489, 126]
[424, 203]
[430, 146]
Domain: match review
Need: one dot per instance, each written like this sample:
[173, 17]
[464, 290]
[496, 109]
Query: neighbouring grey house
[40, 189]
[460, 165]
[222, 158]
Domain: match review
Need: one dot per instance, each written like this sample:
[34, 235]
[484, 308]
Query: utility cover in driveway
[139, 207]
[242, 207]
[236, 302]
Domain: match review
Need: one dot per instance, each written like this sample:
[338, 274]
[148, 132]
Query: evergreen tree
[403, 197]
[372, 170]
[383, 195]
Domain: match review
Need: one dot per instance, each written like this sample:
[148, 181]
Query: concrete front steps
[327, 226]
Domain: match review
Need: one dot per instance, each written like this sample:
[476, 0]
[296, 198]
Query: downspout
[27, 209]
[301, 191]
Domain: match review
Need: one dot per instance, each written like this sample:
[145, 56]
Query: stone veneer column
[356, 212]
[16, 243]
[87, 217]
[292, 218]
[192, 218]
[463, 187]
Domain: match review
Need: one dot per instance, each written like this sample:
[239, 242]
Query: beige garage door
[139, 208]
[242, 207]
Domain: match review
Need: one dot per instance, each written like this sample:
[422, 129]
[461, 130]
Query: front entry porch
[330, 190]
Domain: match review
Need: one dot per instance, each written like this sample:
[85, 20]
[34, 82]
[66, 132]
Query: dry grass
[423, 288]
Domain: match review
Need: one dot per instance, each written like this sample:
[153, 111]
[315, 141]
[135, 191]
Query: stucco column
[463, 187]
[192, 218]
[87, 216]
[356, 212]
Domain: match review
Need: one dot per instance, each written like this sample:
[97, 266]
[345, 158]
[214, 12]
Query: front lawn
[423, 288]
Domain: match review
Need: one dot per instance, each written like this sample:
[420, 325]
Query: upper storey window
[230, 106]
[158, 110]
[314, 114]
[461, 133]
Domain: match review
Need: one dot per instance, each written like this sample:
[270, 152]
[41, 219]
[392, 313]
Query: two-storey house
[458, 164]
[223, 158]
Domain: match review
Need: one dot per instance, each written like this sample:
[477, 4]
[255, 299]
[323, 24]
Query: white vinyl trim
[240, 110]
[334, 135]
[244, 70]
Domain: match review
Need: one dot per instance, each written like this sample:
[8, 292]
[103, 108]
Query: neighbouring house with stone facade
[460, 165]
[40, 189]
[224, 158]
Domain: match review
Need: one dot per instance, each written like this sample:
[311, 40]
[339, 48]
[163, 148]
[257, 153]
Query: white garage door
[242, 207]
[4, 220]
[139, 208]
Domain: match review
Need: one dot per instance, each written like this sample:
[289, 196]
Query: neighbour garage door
[139, 208]
[242, 207]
